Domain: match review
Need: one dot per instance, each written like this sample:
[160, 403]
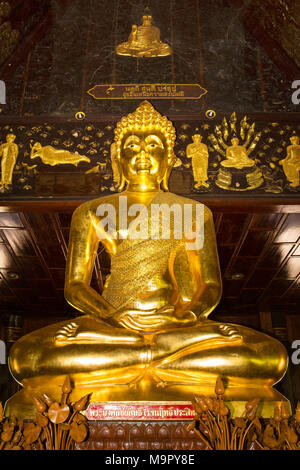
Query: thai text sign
[141, 411]
[147, 91]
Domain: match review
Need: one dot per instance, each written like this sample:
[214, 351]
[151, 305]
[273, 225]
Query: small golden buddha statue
[144, 41]
[198, 152]
[9, 153]
[236, 156]
[151, 318]
[291, 164]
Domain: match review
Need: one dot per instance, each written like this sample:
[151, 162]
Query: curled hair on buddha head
[146, 118]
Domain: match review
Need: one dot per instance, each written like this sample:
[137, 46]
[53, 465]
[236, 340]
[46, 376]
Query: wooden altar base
[145, 417]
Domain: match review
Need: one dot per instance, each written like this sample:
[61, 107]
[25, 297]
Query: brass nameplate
[158, 91]
[140, 411]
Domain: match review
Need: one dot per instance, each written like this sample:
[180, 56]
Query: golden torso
[158, 291]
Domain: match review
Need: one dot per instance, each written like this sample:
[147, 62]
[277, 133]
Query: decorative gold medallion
[80, 115]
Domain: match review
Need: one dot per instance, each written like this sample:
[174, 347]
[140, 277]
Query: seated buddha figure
[152, 316]
[236, 156]
[144, 41]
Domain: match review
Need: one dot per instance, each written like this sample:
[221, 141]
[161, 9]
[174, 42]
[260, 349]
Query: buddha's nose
[143, 145]
[143, 154]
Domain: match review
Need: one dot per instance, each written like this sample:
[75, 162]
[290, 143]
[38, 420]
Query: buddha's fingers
[137, 324]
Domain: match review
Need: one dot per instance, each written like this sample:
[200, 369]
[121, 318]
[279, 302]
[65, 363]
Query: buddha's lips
[143, 164]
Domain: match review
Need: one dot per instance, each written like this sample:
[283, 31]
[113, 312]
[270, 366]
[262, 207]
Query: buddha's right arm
[82, 250]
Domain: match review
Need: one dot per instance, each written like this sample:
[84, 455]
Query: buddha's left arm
[197, 274]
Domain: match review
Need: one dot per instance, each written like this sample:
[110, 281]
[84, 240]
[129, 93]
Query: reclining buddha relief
[52, 156]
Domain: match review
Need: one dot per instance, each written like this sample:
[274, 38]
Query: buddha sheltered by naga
[152, 316]
[144, 41]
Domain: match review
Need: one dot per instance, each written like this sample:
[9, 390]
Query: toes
[161, 384]
[66, 331]
[228, 330]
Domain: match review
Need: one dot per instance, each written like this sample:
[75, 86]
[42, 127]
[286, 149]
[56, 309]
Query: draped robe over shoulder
[139, 261]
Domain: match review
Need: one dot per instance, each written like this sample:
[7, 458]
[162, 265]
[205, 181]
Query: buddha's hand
[154, 320]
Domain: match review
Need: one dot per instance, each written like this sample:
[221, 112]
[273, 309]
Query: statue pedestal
[146, 401]
[243, 179]
[145, 417]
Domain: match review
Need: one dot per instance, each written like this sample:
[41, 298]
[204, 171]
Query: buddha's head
[197, 138]
[10, 138]
[235, 141]
[147, 20]
[294, 140]
[145, 149]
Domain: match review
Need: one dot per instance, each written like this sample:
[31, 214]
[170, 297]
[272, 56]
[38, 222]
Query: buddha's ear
[165, 181]
[122, 183]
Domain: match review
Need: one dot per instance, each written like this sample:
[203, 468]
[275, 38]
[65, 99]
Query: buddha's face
[10, 138]
[294, 140]
[144, 157]
[147, 20]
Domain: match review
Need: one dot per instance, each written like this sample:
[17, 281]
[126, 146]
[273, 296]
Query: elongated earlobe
[122, 184]
[165, 181]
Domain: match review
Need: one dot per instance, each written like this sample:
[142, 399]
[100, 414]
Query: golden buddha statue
[198, 152]
[9, 153]
[291, 163]
[238, 172]
[236, 156]
[151, 319]
[144, 41]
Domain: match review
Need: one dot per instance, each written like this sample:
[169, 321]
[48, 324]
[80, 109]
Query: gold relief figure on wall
[236, 156]
[237, 172]
[198, 152]
[144, 41]
[8, 154]
[291, 164]
[150, 326]
[8, 36]
[51, 156]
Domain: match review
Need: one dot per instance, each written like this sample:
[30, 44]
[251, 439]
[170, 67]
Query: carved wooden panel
[83, 169]
[140, 436]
